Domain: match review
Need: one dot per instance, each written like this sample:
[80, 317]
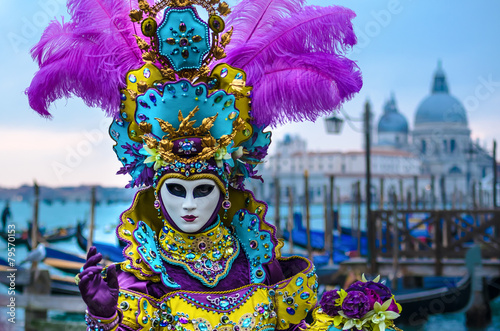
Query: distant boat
[52, 236]
[108, 251]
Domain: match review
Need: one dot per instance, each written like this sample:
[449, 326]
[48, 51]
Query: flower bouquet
[365, 305]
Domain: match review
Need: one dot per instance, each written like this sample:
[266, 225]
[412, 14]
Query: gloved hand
[100, 295]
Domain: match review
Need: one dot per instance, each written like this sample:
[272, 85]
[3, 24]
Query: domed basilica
[437, 149]
[440, 137]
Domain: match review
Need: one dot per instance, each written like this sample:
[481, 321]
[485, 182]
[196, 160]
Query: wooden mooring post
[358, 216]
[39, 280]
[90, 239]
[308, 215]
[332, 217]
[415, 191]
[381, 198]
[277, 201]
[395, 244]
[290, 218]
[495, 173]
[328, 225]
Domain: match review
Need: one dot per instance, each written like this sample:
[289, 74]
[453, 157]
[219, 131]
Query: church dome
[392, 120]
[440, 106]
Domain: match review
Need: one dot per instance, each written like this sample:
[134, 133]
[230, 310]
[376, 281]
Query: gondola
[346, 242]
[64, 261]
[109, 252]
[56, 235]
[492, 288]
[451, 296]
[64, 285]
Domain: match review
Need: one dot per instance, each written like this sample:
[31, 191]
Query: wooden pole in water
[494, 174]
[39, 279]
[424, 200]
[358, 225]
[381, 199]
[328, 225]
[408, 199]
[433, 193]
[395, 247]
[332, 216]
[401, 192]
[308, 216]
[34, 225]
[290, 218]
[480, 195]
[92, 218]
[277, 198]
[442, 185]
[339, 205]
[415, 190]
[474, 200]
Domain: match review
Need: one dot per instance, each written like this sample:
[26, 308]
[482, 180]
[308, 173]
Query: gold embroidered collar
[207, 256]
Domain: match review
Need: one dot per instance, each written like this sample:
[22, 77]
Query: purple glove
[100, 295]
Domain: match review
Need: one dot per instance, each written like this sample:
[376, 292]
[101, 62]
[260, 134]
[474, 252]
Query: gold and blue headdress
[190, 97]
[193, 101]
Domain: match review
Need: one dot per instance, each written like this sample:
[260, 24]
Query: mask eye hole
[202, 190]
[177, 190]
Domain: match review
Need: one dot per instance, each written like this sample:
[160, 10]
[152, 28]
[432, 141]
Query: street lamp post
[334, 125]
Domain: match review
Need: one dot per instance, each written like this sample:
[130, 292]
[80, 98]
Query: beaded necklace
[206, 256]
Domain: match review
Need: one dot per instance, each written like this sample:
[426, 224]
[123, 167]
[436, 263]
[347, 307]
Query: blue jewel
[299, 281]
[171, 89]
[224, 72]
[224, 303]
[152, 97]
[246, 322]
[199, 91]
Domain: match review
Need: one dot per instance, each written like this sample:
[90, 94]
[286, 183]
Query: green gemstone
[124, 305]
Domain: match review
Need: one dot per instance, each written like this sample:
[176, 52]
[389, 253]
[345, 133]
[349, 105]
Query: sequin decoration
[251, 237]
[178, 38]
[146, 240]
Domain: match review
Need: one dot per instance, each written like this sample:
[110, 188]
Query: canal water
[58, 214]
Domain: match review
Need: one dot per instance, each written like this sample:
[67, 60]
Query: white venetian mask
[190, 203]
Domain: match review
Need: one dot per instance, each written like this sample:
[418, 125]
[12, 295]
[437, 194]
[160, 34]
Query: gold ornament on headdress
[146, 14]
[186, 129]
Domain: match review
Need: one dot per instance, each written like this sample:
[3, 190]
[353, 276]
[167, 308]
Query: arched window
[455, 170]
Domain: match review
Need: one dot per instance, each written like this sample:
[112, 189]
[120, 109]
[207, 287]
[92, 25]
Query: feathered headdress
[196, 95]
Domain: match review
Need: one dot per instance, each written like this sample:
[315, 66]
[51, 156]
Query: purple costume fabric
[238, 277]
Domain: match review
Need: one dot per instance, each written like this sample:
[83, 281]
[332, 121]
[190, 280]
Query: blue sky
[400, 43]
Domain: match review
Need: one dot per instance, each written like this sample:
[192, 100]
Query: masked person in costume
[190, 99]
